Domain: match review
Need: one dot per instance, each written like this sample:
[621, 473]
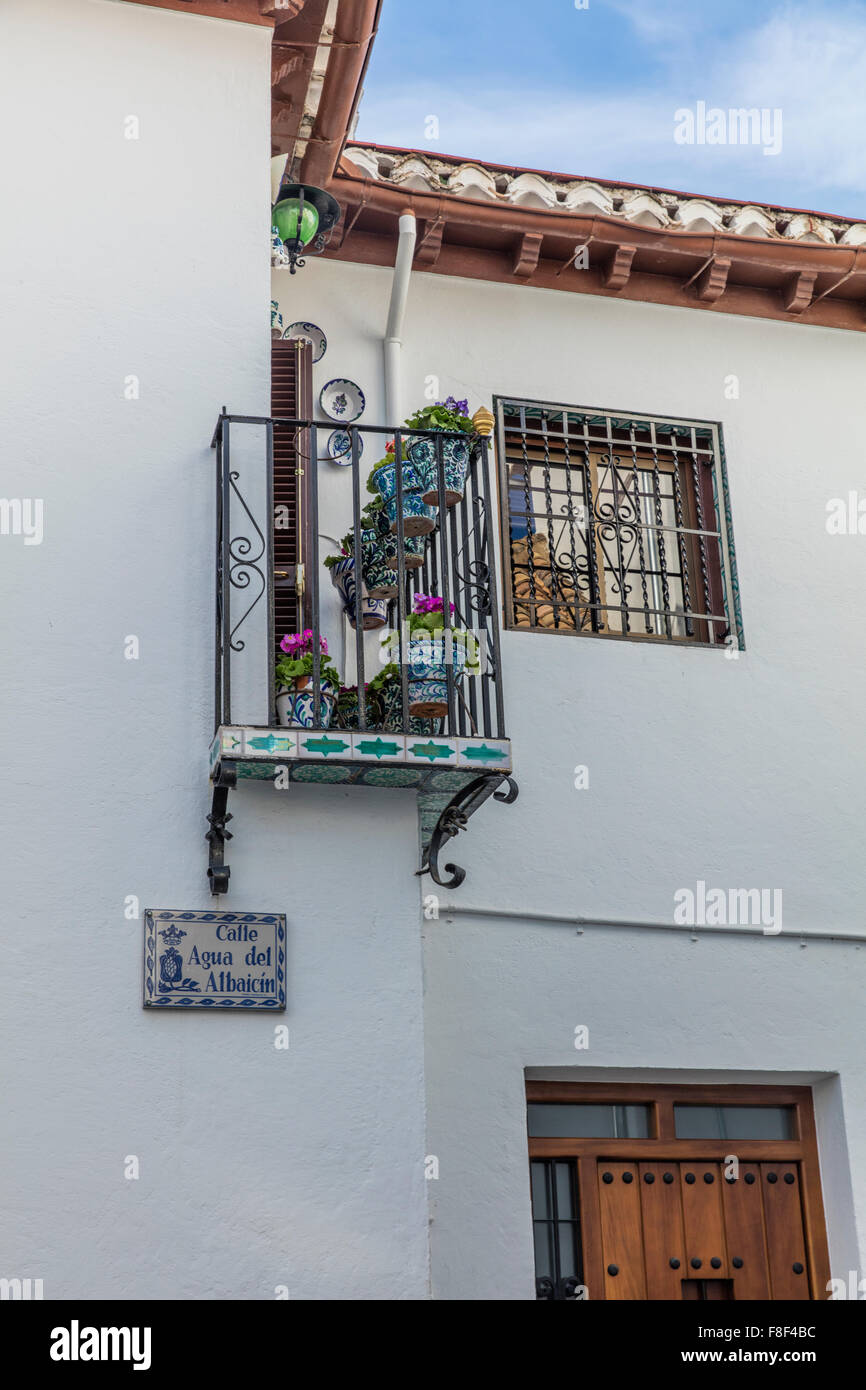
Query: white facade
[304, 1170]
[741, 772]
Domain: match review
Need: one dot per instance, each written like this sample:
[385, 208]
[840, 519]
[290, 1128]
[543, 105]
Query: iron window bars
[556, 1229]
[458, 566]
[615, 526]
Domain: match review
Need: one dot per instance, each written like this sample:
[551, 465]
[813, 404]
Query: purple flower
[429, 603]
[293, 644]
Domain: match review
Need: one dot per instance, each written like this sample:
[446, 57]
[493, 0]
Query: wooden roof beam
[526, 254]
[797, 294]
[618, 269]
[430, 244]
[713, 279]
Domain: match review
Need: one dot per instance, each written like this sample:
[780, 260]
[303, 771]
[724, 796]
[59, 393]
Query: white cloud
[665, 21]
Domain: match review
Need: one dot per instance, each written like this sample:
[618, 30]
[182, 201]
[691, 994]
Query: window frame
[802, 1149]
[719, 494]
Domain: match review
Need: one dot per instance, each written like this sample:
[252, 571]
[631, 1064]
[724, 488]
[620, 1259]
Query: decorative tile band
[266, 746]
[434, 752]
[376, 748]
[484, 752]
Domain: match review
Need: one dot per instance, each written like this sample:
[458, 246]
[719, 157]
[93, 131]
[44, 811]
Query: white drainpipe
[393, 341]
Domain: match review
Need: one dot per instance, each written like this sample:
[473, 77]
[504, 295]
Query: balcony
[414, 649]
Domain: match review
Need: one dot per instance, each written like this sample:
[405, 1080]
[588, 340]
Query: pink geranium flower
[296, 643]
[430, 603]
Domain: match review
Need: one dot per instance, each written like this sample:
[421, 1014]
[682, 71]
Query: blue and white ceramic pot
[418, 518]
[392, 714]
[347, 716]
[380, 577]
[374, 611]
[346, 712]
[413, 550]
[455, 463]
[428, 682]
[295, 704]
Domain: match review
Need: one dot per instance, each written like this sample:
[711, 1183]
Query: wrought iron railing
[458, 565]
[615, 526]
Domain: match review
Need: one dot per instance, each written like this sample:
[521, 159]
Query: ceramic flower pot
[427, 659]
[392, 714]
[418, 518]
[276, 320]
[346, 711]
[380, 577]
[413, 550]
[455, 463]
[295, 704]
[374, 611]
[346, 715]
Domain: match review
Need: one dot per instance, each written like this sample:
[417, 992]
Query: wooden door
[692, 1230]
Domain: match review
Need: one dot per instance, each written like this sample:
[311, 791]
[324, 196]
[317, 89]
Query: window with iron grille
[615, 526]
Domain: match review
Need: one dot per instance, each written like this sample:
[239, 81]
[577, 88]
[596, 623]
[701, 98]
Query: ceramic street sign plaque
[214, 960]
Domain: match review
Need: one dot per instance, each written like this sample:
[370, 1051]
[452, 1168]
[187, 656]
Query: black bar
[433, 548]
[681, 540]
[483, 543]
[455, 576]
[614, 487]
[401, 575]
[224, 578]
[530, 535]
[313, 464]
[463, 508]
[447, 642]
[359, 579]
[218, 653]
[660, 539]
[702, 545]
[548, 511]
[494, 598]
[639, 519]
[569, 488]
[592, 557]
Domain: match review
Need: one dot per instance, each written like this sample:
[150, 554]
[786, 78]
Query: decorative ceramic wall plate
[279, 254]
[276, 319]
[340, 447]
[311, 333]
[342, 400]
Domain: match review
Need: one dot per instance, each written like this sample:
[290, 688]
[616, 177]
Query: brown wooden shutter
[291, 397]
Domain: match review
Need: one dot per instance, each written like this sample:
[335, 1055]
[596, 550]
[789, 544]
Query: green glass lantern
[291, 214]
[304, 217]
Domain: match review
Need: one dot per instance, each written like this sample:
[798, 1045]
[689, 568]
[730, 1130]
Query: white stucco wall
[258, 1168]
[743, 773]
[304, 1168]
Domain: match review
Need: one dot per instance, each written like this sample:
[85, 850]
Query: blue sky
[543, 84]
